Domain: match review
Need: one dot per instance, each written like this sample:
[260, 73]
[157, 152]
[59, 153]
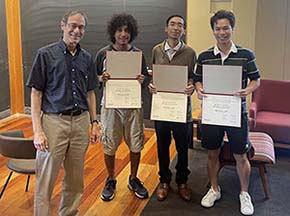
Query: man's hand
[242, 93]
[152, 88]
[150, 72]
[200, 93]
[189, 89]
[105, 76]
[40, 141]
[252, 86]
[95, 133]
[140, 78]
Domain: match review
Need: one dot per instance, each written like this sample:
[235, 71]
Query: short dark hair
[176, 15]
[119, 20]
[74, 12]
[223, 14]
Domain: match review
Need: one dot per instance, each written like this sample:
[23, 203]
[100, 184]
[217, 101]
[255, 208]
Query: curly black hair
[119, 20]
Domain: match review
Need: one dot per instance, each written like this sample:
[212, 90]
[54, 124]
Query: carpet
[278, 178]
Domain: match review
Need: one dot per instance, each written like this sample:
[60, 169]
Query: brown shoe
[184, 192]
[162, 191]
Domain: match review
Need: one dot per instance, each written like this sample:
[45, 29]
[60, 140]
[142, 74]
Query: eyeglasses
[73, 26]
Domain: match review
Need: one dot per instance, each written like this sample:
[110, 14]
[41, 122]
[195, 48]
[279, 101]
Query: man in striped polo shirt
[225, 52]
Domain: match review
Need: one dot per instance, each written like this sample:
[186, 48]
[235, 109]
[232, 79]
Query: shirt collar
[132, 48]
[176, 48]
[64, 48]
[233, 49]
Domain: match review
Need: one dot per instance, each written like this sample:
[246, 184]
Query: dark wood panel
[4, 81]
[40, 25]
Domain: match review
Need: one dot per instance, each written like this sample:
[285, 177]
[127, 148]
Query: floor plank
[16, 201]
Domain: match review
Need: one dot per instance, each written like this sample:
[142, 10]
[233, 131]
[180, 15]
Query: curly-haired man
[118, 123]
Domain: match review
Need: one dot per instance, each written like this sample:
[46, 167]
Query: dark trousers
[180, 133]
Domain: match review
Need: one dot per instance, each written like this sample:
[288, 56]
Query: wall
[273, 39]
[263, 26]
[286, 73]
[4, 80]
[40, 24]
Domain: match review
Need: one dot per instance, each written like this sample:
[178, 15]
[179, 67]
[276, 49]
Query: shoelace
[109, 184]
[211, 193]
[138, 182]
[246, 201]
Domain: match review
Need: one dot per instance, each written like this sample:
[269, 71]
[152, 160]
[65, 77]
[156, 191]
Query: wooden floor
[16, 201]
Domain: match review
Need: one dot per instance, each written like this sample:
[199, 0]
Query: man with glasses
[173, 51]
[63, 80]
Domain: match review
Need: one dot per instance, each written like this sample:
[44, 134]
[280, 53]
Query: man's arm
[91, 98]
[190, 86]
[199, 90]
[252, 86]
[144, 72]
[152, 88]
[40, 140]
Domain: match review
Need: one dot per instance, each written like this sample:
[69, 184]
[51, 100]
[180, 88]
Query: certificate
[123, 94]
[169, 107]
[124, 65]
[170, 78]
[221, 79]
[223, 110]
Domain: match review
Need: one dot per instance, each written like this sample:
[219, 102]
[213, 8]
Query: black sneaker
[137, 186]
[109, 190]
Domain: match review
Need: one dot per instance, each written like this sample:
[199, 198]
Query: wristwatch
[94, 121]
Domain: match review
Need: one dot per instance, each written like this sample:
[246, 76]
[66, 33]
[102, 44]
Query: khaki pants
[68, 138]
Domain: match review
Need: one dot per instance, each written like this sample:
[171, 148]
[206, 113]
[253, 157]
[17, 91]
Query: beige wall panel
[199, 34]
[286, 74]
[245, 31]
[270, 37]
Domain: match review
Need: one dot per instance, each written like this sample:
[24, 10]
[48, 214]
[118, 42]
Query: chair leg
[6, 183]
[27, 183]
[264, 181]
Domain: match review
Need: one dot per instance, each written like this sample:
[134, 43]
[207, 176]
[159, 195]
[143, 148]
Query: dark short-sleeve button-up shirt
[63, 79]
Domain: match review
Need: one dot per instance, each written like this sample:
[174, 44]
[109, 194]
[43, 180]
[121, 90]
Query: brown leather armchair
[21, 154]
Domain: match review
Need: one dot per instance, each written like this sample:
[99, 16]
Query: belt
[72, 112]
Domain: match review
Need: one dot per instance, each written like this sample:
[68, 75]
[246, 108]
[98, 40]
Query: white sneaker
[209, 199]
[247, 207]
